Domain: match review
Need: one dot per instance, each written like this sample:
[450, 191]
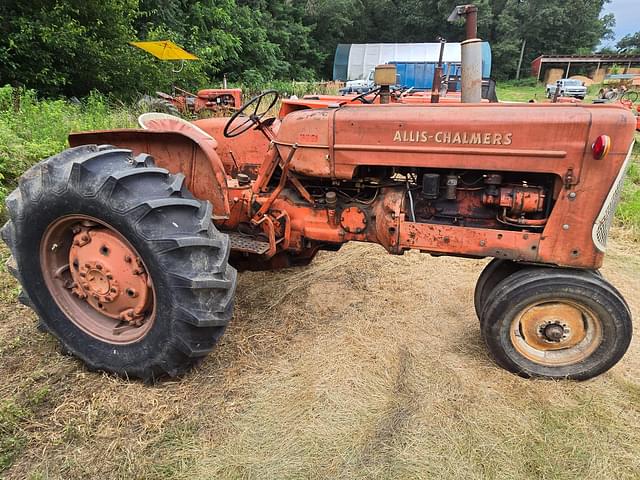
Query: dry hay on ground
[362, 365]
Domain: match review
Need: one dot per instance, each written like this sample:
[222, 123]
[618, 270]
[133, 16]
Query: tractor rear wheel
[160, 105]
[496, 270]
[120, 262]
[554, 323]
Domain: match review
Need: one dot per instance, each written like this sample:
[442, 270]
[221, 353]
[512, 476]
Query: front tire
[556, 324]
[165, 237]
[496, 270]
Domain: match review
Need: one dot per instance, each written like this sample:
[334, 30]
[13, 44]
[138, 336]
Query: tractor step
[247, 244]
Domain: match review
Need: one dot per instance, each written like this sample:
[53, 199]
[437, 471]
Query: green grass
[344, 379]
[528, 89]
[628, 212]
[522, 91]
[12, 439]
[32, 129]
[14, 414]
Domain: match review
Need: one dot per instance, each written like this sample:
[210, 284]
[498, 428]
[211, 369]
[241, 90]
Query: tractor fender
[178, 152]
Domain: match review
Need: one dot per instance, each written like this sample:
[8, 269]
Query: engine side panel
[550, 142]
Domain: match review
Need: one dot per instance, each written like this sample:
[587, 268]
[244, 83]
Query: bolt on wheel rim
[556, 333]
[97, 279]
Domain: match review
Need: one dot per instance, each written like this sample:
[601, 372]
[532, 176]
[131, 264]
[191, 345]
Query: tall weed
[32, 129]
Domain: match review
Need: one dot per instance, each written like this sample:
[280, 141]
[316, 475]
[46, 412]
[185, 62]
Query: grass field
[528, 89]
[362, 365]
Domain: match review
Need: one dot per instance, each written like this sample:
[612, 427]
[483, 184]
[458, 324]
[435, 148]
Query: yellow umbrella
[165, 50]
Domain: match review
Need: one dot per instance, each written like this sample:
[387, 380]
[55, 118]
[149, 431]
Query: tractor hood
[545, 138]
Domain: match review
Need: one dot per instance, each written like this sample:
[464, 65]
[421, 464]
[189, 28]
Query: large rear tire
[556, 324]
[154, 104]
[152, 292]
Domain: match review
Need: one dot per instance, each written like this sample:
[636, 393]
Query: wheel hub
[554, 332]
[553, 326]
[108, 275]
[98, 282]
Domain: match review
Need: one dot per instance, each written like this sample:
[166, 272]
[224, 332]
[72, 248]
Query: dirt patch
[362, 365]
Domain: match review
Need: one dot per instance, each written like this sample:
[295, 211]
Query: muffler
[471, 71]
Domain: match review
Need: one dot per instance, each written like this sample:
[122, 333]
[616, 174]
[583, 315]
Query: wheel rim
[97, 279]
[556, 333]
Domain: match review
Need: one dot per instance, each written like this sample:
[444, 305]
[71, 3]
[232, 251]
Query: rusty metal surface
[246, 244]
[353, 220]
[244, 153]
[556, 332]
[481, 242]
[471, 71]
[98, 279]
[215, 100]
[178, 152]
[109, 275]
[300, 212]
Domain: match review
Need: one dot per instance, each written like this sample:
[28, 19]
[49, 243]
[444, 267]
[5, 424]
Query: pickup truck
[359, 86]
[568, 88]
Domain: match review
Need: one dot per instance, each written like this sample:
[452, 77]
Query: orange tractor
[204, 103]
[128, 243]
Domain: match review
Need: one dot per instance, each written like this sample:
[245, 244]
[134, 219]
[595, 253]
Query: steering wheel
[250, 114]
[362, 97]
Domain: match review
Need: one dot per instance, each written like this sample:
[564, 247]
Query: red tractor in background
[207, 102]
[127, 245]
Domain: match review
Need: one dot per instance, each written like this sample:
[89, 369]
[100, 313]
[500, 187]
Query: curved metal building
[354, 61]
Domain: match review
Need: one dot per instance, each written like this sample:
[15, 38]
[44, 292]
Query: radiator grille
[603, 223]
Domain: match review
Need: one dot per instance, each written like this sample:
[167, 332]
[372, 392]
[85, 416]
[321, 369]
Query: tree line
[70, 47]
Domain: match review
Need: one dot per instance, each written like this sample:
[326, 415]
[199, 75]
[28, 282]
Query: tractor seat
[166, 122]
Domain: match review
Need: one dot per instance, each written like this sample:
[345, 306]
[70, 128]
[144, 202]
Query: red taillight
[601, 147]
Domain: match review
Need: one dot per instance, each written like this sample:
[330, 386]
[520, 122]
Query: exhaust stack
[471, 54]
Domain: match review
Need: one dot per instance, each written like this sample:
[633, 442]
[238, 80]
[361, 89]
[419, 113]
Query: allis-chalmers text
[455, 138]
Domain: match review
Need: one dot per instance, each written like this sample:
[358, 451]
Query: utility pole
[524, 44]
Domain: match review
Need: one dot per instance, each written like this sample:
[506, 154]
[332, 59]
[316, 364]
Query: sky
[627, 14]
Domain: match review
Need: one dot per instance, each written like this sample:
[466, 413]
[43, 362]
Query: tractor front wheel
[120, 262]
[554, 323]
[496, 270]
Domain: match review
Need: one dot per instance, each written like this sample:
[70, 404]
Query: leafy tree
[69, 47]
[549, 27]
[66, 47]
[333, 22]
[630, 44]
